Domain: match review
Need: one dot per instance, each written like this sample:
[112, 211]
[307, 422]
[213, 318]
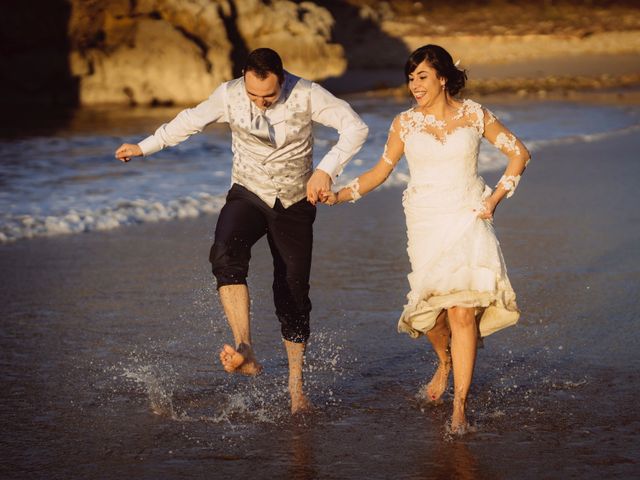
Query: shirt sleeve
[188, 122]
[332, 112]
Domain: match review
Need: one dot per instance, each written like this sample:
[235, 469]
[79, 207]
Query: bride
[459, 285]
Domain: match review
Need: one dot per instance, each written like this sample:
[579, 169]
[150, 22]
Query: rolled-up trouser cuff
[223, 282]
[295, 328]
[230, 263]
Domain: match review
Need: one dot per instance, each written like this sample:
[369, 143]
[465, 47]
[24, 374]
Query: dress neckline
[431, 119]
[442, 130]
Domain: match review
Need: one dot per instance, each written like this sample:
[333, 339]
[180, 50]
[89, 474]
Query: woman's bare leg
[464, 338]
[439, 336]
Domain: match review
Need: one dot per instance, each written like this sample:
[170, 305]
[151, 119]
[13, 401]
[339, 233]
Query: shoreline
[83, 119]
[132, 209]
[556, 74]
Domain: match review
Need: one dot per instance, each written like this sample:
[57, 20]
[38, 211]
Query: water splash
[158, 387]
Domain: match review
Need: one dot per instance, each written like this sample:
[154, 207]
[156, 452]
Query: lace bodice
[469, 115]
[444, 153]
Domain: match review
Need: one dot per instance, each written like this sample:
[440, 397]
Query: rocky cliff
[178, 51]
[87, 52]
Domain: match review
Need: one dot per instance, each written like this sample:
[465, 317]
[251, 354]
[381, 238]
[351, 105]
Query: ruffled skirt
[455, 258]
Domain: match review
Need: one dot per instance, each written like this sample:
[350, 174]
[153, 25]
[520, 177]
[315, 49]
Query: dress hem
[493, 313]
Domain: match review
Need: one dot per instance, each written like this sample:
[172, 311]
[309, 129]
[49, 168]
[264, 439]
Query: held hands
[127, 151]
[317, 186]
[329, 197]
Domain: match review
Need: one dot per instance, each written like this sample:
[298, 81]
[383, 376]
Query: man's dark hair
[262, 62]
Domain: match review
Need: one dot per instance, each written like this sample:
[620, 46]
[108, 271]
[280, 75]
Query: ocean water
[108, 341]
[63, 179]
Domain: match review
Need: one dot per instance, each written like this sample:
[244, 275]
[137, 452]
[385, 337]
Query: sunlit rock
[178, 51]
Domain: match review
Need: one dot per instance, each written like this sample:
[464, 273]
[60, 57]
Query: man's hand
[319, 182]
[128, 150]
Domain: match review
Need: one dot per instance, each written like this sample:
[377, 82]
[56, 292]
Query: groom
[274, 191]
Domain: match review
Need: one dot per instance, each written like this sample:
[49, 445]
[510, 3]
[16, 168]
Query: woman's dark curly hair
[441, 61]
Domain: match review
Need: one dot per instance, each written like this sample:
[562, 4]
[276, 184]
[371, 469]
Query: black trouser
[243, 220]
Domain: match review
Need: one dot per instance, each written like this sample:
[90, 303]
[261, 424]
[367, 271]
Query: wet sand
[560, 74]
[101, 330]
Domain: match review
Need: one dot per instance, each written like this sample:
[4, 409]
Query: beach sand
[100, 330]
[537, 77]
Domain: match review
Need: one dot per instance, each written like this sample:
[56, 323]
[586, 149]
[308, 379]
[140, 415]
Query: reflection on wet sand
[451, 459]
[302, 466]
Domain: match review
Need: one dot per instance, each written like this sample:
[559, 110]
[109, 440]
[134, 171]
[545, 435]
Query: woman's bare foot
[241, 360]
[434, 390]
[459, 424]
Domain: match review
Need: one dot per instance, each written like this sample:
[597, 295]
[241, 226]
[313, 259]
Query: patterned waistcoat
[273, 172]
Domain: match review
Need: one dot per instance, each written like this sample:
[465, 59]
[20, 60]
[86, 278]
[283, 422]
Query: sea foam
[124, 212]
[65, 184]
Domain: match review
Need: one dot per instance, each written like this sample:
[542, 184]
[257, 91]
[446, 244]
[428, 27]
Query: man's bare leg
[439, 336]
[241, 359]
[464, 339]
[295, 353]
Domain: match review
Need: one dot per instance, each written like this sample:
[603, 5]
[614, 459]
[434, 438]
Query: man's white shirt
[326, 109]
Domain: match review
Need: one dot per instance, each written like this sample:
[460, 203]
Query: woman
[459, 284]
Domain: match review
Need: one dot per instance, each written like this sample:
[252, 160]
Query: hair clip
[457, 63]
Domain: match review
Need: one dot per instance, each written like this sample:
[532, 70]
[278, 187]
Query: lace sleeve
[500, 136]
[391, 155]
[394, 147]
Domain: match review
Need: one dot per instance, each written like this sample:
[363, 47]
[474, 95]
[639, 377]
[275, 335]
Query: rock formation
[89, 52]
[178, 51]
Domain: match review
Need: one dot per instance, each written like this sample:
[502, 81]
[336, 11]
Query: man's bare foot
[241, 360]
[300, 403]
[434, 390]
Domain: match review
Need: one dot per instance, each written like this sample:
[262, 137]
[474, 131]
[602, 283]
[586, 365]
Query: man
[274, 192]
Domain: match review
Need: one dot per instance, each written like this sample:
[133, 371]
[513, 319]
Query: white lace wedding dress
[455, 257]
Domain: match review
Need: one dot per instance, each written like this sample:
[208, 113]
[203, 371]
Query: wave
[582, 138]
[130, 212]
[124, 212]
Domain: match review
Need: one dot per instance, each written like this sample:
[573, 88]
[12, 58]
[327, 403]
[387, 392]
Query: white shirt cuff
[150, 145]
[330, 165]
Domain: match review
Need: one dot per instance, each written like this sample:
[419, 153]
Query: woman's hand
[328, 197]
[489, 205]
[319, 182]
[128, 150]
